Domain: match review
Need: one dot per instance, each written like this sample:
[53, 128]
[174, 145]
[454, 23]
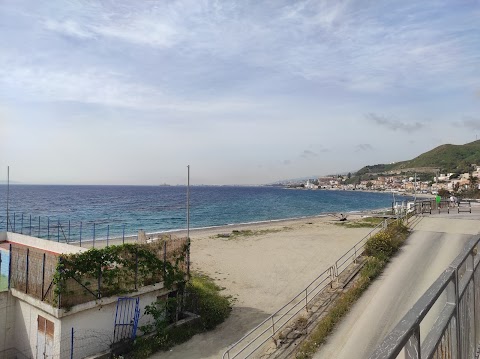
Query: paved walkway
[434, 243]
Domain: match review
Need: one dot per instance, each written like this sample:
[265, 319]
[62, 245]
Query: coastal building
[53, 305]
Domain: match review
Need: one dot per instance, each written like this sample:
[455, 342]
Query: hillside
[447, 158]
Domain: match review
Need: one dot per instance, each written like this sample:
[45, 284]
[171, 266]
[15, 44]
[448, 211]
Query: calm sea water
[115, 209]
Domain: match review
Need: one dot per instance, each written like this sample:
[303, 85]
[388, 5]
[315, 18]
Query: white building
[37, 320]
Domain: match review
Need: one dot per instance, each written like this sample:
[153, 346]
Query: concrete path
[436, 240]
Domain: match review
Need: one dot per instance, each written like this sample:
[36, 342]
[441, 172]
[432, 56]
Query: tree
[473, 182]
[442, 192]
[369, 184]
[349, 175]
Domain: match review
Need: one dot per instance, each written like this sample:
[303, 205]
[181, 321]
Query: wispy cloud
[363, 147]
[69, 28]
[469, 122]
[364, 49]
[307, 154]
[394, 124]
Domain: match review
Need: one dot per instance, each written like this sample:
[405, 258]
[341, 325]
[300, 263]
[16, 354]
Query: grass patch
[249, 233]
[3, 282]
[369, 222]
[204, 299]
[391, 239]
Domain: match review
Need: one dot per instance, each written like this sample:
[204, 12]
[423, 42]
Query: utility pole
[415, 189]
[8, 192]
[188, 221]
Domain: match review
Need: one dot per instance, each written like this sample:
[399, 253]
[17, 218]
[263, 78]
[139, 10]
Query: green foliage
[448, 158]
[3, 282]
[386, 242]
[369, 222]
[372, 268]
[249, 233]
[213, 308]
[204, 298]
[119, 269]
[159, 311]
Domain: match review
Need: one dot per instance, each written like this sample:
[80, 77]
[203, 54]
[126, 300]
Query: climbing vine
[119, 269]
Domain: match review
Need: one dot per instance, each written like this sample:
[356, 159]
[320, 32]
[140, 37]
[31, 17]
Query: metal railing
[266, 330]
[455, 333]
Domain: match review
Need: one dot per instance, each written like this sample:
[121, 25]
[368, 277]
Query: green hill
[447, 158]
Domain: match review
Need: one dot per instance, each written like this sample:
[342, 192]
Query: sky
[245, 92]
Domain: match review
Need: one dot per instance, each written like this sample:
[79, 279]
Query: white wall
[7, 321]
[52, 246]
[94, 327]
[26, 328]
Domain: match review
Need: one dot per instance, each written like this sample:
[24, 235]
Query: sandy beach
[262, 270]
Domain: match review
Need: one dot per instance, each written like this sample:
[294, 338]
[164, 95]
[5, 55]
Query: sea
[63, 213]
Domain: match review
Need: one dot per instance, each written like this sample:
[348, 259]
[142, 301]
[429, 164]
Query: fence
[456, 330]
[255, 339]
[32, 271]
[426, 206]
[78, 232]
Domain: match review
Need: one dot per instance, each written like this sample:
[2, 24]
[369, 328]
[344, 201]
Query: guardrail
[456, 330]
[266, 330]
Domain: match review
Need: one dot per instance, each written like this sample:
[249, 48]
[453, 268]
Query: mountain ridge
[445, 158]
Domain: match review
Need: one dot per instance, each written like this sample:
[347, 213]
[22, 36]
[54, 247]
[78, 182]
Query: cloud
[69, 28]
[394, 125]
[336, 43]
[469, 122]
[286, 162]
[363, 147]
[107, 88]
[307, 154]
[140, 31]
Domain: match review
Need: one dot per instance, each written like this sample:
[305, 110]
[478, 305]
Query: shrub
[372, 268]
[212, 307]
[204, 299]
[386, 242]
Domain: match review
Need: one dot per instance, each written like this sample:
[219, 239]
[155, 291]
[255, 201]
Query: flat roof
[5, 245]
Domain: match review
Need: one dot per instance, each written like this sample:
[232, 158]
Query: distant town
[396, 181]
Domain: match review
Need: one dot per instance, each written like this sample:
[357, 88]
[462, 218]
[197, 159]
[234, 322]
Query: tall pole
[188, 221]
[8, 192]
[415, 189]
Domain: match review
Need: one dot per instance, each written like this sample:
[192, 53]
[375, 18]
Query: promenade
[435, 241]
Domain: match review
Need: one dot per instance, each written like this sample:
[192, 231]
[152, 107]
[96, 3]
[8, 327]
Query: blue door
[126, 319]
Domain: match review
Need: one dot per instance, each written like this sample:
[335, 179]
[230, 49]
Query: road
[435, 241]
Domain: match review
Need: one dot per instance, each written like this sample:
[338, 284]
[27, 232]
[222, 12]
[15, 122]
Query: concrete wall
[93, 323]
[26, 329]
[44, 244]
[94, 327]
[7, 322]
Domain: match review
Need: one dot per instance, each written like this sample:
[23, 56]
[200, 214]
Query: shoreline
[221, 229]
[199, 230]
